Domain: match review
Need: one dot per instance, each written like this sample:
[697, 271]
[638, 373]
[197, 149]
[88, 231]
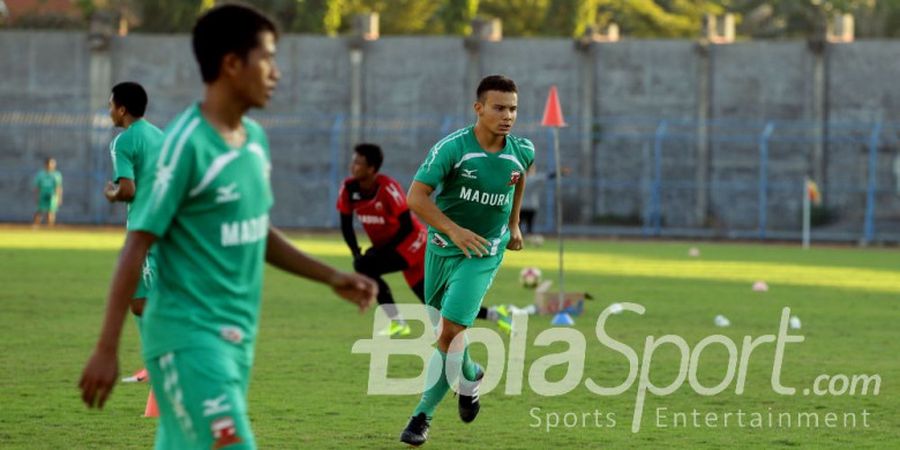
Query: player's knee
[445, 341]
[449, 331]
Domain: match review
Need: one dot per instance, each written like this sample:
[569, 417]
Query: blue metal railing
[651, 180]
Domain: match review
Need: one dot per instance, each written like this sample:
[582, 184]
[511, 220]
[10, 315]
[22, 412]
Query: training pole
[559, 208]
[806, 213]
[553, 118]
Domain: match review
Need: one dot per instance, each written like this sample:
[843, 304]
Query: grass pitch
[309, 391]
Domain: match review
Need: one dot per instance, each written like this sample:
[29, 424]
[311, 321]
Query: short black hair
[499, 83]
[48, 159]
[373, 154]
[132, 96]
[229, 28]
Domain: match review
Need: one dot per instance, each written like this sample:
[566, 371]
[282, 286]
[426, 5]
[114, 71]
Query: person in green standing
[133, 153]
[208, 213]
[48, 185]
[479, 175]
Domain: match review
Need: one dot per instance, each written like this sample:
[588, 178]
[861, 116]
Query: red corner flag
[812, 190]
[553, 116]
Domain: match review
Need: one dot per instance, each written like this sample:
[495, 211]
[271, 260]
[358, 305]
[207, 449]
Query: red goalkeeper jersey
[379, 212]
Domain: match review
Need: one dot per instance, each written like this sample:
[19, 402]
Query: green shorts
[148, 277]
[48, 204]
[202, 397]
[456, 285]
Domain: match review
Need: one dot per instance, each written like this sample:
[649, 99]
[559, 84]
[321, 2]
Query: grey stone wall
[715, 102]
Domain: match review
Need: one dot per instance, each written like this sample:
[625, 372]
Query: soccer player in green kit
[207, 212]
[48, 184]
[133, 152]
[479, 172]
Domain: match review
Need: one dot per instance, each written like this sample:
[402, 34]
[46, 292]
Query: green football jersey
[208, 206]
[133, 151]
[475, 187]
[47, 182]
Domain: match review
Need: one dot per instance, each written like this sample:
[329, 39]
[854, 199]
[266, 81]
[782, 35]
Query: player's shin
[435, 393]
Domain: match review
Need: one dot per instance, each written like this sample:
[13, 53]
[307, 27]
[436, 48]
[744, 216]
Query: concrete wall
[715, 100]
[862, 91]
[43, 72]
[637, 84]
[753, 83]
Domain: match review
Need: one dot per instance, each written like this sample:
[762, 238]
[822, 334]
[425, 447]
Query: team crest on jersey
[355, 196]
[514, 177]
[379, 206]
[224, 432]
[231, 334]
[436, 239]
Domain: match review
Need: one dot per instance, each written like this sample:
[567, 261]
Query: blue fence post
[337, 130]
[764, 177]
[98, 177]
[446, 124]
[869, 223]
[653, 215]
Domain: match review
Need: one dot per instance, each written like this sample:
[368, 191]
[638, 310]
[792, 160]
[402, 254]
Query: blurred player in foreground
[208, 212]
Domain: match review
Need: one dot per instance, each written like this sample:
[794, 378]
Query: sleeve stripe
[164, 171]
[513, 159]
[525, 143]
[184, 137]
[160, 163]
[112, 153]
[450, 137]
[112, 145]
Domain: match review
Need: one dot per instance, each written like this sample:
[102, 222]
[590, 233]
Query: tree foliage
[636, 18]
[520, 17]
[167, 16]
[569, 17]
[455, 16]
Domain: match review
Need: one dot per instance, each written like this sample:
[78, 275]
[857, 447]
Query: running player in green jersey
[208, 212]
[133, 153]
[479, 172]
[48, 185]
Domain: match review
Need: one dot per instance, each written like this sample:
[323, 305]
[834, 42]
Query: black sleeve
[349, 234]
[406, 227]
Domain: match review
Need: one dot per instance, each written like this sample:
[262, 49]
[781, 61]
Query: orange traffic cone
[151, 410]
[553, 116]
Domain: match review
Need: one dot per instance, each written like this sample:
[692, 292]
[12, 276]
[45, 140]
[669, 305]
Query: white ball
[530, 277]
[721, 321]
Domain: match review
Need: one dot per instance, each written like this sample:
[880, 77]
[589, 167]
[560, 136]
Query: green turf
[309, 391]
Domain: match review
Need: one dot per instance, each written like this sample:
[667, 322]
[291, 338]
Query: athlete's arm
[406, 227]
[515, 234]
[102, 370]
[420, 202]
[349, 234]
[123, 191]
[357, 289]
